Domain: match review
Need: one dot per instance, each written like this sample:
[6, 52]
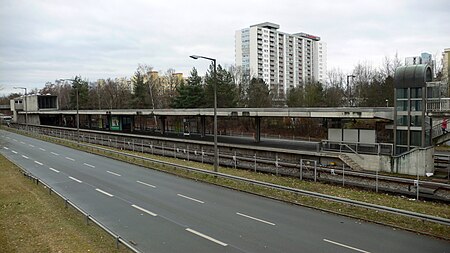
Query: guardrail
[271, 165]
[375, 207]
[67, 202]
[279, 187]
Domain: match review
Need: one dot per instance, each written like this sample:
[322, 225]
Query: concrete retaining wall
[417, 161]
[420, 160]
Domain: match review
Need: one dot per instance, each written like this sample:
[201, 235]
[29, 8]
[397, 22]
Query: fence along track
[375, 207]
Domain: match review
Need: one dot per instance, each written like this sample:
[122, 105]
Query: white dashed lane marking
[76, 180]
[71, 159]
[206, 237]
[112, 173]
[53, 153]
[106, 193]
[256, 219]
[144, 210]
[42, 149]
[57, 171]
[31, 145]
[186, 197]
[92, 166]
[15, 152]
[24, 156]
[38, 163]
[345, 246]
[146, 184]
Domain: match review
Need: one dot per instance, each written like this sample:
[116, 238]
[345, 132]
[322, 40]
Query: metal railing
[119, 240]
[325, 173]
[358, 147]
[436, 130]
[285, 188]
[438, 104]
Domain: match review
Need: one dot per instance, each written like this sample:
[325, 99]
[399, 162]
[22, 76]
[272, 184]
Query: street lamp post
[78, 119]
[216, 157]
[350, 88]
[26, 105]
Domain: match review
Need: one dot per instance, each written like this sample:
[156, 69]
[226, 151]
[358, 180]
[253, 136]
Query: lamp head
[194, 57]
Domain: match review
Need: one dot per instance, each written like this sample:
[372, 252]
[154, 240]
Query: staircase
[352, 164]
[442, 166]
[439, 137]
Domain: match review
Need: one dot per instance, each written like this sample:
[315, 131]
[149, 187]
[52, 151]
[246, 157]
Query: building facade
[412, 126]
[282, 60]
[446, 67]
[424, 58]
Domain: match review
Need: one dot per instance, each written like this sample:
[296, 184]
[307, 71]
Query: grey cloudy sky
[45, 40]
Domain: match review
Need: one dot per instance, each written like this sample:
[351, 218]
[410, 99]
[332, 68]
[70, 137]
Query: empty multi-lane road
[164, 213]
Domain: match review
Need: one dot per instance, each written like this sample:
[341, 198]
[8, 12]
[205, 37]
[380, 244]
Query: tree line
[365, 86]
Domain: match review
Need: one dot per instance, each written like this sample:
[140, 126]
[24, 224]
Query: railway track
[308, 169]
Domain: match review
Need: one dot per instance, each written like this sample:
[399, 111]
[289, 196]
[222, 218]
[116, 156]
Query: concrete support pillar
[89, 116]
[132, 119]
[108, 121]
[162, 123]
[202, 126]
[257, 129]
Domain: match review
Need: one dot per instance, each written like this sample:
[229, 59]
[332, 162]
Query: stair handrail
[356, 153]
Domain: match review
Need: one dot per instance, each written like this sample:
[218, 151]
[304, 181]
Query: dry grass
[31, 220]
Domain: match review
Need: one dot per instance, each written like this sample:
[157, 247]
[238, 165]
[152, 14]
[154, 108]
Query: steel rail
[357, 203]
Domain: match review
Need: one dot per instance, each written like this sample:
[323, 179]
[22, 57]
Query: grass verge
[426, 207]
[31, 220]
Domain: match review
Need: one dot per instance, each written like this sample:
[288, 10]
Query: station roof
[322, 112]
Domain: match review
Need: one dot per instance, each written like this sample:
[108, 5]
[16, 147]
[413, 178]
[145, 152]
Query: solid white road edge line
[24, 156]
[57, 171]
[106, 193]
[68, 158]
[144, 210]
[38, 163]
[256, 219]
[115, 174]
[146, 184]
[206, 237]
[186, 197]
[92, 166]
[53, 153]
[346, 246]
[77, 180]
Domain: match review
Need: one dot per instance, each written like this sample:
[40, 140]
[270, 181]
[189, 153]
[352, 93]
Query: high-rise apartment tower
[282, 60]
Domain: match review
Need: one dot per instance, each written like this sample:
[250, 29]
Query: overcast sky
[43, 40]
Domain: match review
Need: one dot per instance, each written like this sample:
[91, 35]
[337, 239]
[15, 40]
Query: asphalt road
[165, 213]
